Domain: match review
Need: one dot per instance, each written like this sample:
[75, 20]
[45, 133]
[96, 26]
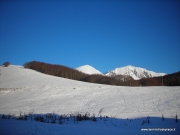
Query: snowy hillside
[88, 69]
[24, 91]
[135, 72]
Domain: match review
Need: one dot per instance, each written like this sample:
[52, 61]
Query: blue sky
[104, 34]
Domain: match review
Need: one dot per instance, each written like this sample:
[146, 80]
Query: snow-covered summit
[88, 69]
[135, 72]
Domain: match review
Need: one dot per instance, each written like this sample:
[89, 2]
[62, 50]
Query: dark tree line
[170, 79]
[66, 72]
[55, 70]
[102, 79]
[167, 80]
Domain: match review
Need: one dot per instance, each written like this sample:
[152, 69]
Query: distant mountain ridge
[135, 72]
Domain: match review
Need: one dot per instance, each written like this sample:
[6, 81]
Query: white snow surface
[87, 69]
[135, 72]
[28, 91]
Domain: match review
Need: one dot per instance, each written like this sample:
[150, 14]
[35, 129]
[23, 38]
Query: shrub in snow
[60, 120]
[100, 111]
[146, 121]
[143, 122]
[22, 117]
[53, 121]
[3, 117]
[39, 118]
[6, 64]
[176, 118]
[94, 118]
[162, 117]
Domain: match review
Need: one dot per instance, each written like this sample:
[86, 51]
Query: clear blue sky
[104, 34]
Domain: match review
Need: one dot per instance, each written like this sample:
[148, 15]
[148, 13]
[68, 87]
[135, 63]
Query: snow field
[27, 91]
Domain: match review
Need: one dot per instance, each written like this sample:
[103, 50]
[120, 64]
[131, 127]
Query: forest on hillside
[119, 80]
[70, 73]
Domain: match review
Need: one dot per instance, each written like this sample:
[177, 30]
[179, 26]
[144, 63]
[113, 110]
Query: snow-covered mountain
[135, 72]
[88, 70]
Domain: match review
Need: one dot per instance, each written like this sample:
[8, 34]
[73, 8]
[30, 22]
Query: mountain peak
[135, 72]
[87, 69]
[129, 66]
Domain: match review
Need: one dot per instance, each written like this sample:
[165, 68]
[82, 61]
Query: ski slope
[27, 91]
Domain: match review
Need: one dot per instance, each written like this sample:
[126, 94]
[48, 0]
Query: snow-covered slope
[134, 72]
[88, 69]
[26, 91]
